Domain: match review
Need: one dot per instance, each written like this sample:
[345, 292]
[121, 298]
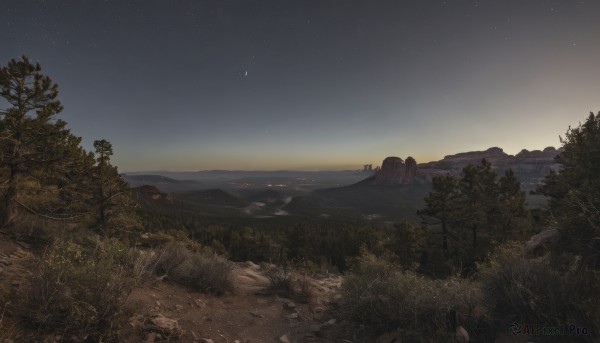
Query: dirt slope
[249, 314]
[164, 311]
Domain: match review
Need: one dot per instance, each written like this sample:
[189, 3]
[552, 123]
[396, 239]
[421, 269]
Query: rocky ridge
[530, 167]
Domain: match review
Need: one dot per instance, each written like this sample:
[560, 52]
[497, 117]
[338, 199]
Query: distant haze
[328, 84]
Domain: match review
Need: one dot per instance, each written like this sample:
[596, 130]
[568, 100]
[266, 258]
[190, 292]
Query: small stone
[330, 322]
[157, 303]
[315, 327]
[136, 321]
[284, 339]
[205, 340]
[165, 323]
[289, 305]
[256, 314]
[15, 283]
[179, 307]
[293, 316]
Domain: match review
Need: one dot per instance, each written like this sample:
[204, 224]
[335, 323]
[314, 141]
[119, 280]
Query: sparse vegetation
[80, 293]
[524, 290]
[382, 298]
[204, 272]
[289, 281]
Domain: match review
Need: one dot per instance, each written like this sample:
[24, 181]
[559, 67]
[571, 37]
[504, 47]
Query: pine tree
[478, 205]
[111, 195]
[574, 191]
[441, 204]
[32, 143]
[512, 210]
[476, 210]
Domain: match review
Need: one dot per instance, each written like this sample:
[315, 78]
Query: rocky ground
[164, 311]
[248, 314]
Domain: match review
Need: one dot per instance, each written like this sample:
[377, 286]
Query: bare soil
[248, 314]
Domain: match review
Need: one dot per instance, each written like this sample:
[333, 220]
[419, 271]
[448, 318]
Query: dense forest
[471, 229]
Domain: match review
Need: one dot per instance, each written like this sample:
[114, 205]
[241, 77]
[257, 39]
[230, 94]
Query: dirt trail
[247, 315]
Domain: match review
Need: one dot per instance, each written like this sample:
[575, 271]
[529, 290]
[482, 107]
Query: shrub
[170, 257]
[381, 298]
[289, 282]
[280, 279]
[532, 291]
[203, 272]
[210, 274]
[80, 293]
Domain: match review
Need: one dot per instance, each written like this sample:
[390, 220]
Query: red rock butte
[395, 171]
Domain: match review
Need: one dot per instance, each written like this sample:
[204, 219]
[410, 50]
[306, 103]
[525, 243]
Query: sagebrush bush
[210, 274]
[380, 297]
[280, 279]
[170, 257]
[533, 291]
[80, 293]
[204, 272]
[290, 282]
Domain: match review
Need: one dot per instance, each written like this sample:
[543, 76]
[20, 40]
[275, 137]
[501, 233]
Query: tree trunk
[444, 235]
[474, 229]
[11, 207]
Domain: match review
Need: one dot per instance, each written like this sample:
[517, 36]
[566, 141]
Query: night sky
[313, 84]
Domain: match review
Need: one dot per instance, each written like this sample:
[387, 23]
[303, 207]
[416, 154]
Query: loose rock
[167, 324]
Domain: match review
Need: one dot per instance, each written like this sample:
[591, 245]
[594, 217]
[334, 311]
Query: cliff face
[529, 166]
[410, 168]
[395, 171]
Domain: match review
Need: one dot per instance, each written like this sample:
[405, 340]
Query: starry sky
[311, 84]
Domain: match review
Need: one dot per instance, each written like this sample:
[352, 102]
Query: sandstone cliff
[529, 166]
[395, 171]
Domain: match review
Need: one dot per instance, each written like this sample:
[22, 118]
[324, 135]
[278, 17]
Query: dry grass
[8, 328]
[534, 291]
[80, 293]
[204, 272]
[289, 282]
[380, 298]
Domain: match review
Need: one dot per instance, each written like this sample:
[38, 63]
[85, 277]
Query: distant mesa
[529, 166]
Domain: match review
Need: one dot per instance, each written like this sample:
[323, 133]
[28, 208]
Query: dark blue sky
[252, 84]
